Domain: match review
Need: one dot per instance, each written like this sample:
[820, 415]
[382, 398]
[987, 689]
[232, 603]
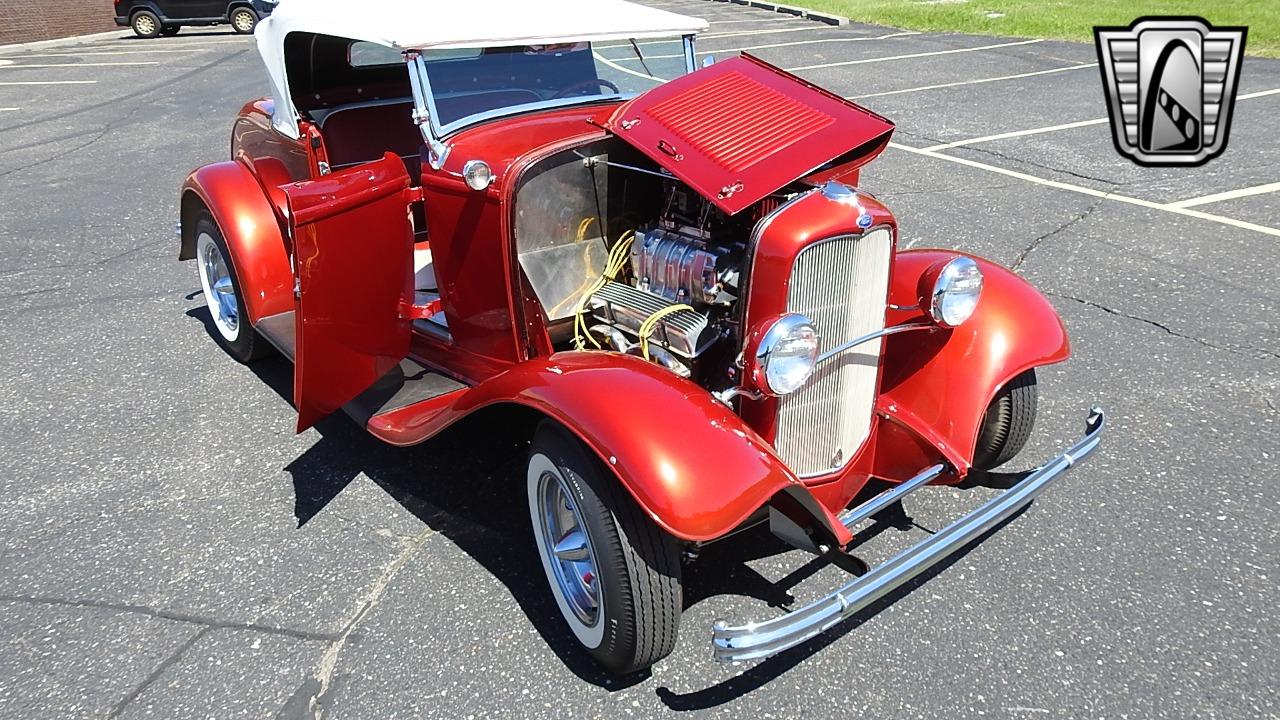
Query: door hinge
[412, 311]
[414, 195]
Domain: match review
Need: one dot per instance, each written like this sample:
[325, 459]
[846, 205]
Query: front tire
[614, 574]
[1006, 427]
[146, 24]
[243, 20]
[223, 295]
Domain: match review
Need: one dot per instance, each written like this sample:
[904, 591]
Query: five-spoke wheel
[614, 574]
[222, 294]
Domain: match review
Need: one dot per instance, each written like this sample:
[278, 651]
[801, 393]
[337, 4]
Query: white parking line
[912, 55]
[619, 68]
[971, 82]
[95, 52]
[1228, 195]
[1169, 208]
[633, 58]
[9, 109]
[713, 36]
[1018, 133]
[51, 82]
[74, 65]
[1055, 128]
[904, 33]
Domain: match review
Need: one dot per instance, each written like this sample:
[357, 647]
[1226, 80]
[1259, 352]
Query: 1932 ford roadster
[545, 205]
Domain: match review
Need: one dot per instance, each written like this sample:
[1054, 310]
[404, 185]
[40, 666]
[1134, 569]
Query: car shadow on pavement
[467, 484]
[202, 33]
[766, 671]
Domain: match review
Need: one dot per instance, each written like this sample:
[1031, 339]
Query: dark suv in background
[151, 18]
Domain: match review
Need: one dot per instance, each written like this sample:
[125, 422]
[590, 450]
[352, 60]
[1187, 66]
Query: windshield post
[421, 85]
[690, 56]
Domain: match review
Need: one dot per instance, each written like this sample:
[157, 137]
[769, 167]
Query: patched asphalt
[172, 549]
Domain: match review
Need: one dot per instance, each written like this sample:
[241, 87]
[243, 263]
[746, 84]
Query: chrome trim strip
[762, 639]
[853, 516]
[891, 330]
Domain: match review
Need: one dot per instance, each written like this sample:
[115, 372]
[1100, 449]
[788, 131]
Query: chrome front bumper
[762, 639]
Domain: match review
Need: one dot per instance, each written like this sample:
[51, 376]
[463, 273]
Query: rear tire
[243, 20]
[1006, 427]
[223, 295]
[621, 597]
[146, 24]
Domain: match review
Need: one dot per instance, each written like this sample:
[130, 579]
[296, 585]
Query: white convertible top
[421, 24]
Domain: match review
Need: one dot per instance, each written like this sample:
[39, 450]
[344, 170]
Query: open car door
[353, 259]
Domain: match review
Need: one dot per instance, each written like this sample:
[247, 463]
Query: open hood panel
[741, 129]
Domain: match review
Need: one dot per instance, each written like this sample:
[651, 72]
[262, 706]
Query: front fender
[688, 460]
[940, 383]
[251, 228]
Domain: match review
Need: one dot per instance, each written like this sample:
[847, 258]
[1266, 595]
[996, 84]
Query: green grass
[1063, 19]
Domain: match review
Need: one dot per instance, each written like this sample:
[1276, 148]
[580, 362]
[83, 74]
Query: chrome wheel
[144, 25]
[565, 546]
[243, 21]
[219, 290]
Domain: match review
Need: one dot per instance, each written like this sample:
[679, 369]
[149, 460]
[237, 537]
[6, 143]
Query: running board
[406, 384]
[279, 331]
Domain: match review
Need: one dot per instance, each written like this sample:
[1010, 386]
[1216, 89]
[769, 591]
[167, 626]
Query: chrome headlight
[784, 355]
[955, 292]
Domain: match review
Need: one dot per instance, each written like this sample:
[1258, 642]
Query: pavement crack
[206, 622]
[322, 681]
[1246, 351]
[37, 291]
[168, 662]
[1034, 244]
[106, 129]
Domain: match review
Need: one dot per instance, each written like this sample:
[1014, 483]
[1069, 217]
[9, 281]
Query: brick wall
[24, 20]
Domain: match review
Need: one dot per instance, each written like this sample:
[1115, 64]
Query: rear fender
[688, 460]
[940, 383]
[251, 228]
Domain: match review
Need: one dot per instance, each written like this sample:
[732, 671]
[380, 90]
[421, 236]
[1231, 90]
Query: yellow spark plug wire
[616, 261]
[651, 323]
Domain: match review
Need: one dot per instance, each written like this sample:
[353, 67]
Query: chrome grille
[841, 284]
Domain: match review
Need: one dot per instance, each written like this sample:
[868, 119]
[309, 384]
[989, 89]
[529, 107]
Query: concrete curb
[805, 13]
[59, 42]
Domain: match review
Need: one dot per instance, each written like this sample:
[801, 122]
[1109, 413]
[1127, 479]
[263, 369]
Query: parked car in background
[152, 18]
[669, 271]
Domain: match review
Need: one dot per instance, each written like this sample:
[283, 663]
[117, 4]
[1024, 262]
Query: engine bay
[635, 261]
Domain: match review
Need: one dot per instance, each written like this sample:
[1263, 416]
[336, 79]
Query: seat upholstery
[359, 134]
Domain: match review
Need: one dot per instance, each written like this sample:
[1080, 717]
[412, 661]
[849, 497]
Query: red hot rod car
[548, 205]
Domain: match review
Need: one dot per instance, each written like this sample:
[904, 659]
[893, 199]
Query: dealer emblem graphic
[1171, 86]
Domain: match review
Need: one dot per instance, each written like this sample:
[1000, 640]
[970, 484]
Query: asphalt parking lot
[171, 549]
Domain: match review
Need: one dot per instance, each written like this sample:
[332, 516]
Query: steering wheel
[594, 82]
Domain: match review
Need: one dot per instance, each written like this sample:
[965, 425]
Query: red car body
[698, 466]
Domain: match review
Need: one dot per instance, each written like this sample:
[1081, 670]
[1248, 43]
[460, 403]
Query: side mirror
[708, 61]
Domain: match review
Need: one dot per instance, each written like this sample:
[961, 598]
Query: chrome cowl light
[956, 288]
[478, 174]
[783, 354]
